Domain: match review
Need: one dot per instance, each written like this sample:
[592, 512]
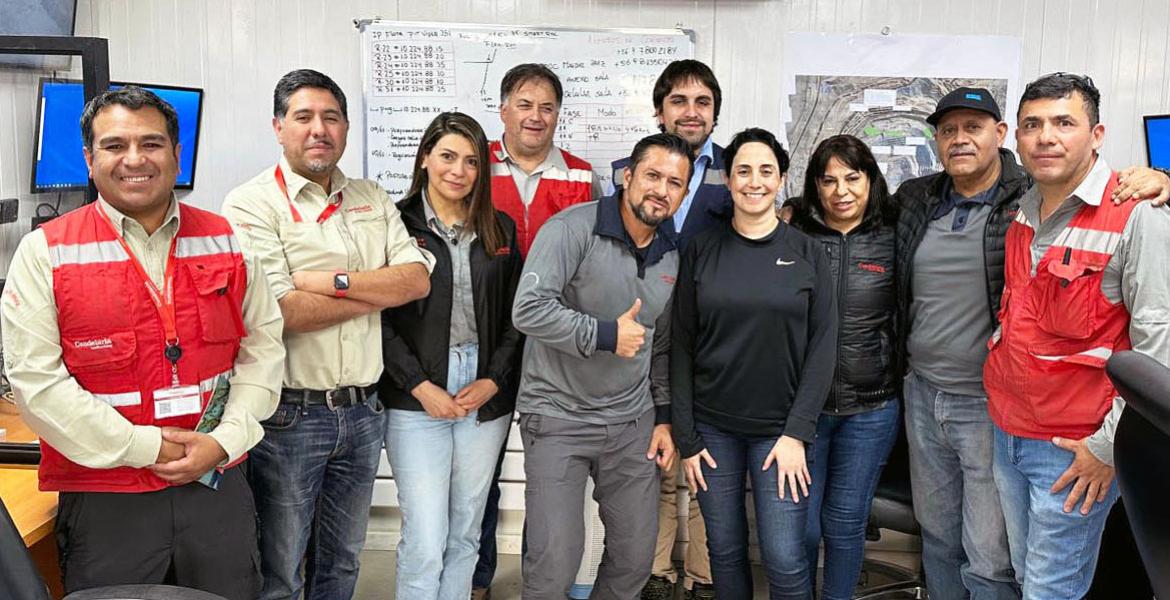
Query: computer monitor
[1158, 140]
[58, 163]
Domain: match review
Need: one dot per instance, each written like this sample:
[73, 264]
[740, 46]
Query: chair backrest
[1141, 452]
[19, 575]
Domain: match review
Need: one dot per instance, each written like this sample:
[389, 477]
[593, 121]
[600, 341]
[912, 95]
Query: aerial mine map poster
[881, 88]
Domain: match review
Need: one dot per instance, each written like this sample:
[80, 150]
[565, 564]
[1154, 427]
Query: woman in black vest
[846, 206]
[452, 361]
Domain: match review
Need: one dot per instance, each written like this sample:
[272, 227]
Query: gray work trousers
[559, 456]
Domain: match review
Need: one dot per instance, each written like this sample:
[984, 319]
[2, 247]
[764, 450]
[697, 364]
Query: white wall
[237, 49]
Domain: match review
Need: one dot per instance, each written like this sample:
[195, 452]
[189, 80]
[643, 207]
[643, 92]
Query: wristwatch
[340, 284]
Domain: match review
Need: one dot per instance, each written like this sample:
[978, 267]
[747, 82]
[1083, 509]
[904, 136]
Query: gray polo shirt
[458, 239]
[1138, 274]
[950, 324]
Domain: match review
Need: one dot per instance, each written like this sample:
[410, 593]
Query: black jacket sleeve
[820, 360]
[684, 323]
[504, 364]
[401, 364]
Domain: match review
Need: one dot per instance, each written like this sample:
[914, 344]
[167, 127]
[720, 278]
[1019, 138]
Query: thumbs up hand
[630, 334]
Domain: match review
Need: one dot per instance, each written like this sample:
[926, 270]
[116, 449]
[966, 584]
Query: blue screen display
[60, 164]
[1158, 140]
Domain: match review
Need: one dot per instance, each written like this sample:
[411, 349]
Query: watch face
[341, 281]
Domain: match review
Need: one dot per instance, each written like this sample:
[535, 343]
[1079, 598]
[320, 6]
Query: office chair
[893, 509]
[1141, 452]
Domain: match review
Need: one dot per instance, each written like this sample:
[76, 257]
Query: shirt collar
[433, 219]
[554, 159]
[707, 152]
[1092, 187]
[1089, 191]
[119, 219]
[296, 182]
[609, 224]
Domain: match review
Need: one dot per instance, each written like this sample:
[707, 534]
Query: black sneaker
[700, 591]
[658, 588]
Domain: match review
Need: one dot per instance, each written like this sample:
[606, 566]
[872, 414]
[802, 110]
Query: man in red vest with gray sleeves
[1084, 278]
[126, 323]
[532, 180]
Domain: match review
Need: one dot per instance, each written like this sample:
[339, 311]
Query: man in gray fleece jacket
[594, 399]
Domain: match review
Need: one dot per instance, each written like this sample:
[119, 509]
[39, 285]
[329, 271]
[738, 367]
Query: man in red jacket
[122, 319]
[1084, 278]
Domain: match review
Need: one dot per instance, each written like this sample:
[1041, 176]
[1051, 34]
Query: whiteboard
[411, 72]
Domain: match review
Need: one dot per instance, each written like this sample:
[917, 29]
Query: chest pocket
[312, 247]
[220, 317]
[1069, 296]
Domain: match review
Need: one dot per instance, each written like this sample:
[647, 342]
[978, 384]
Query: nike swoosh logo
[780, 262]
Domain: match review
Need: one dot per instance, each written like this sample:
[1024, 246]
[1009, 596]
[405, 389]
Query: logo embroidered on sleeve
[780, 262]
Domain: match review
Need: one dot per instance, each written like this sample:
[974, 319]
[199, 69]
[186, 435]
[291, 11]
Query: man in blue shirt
[687, 99]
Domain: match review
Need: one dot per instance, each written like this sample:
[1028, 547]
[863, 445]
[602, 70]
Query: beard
[318, 166]
[646, 218]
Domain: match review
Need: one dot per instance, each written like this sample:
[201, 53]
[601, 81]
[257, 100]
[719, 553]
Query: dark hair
[481, 214]
[668, 141]
[134, 98]
[301, 78]
[754, 134]
[856, 155]
[1061, 85]
[680, 72]
[525, 72]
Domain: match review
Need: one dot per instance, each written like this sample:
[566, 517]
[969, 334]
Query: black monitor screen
[59, 164]
[1158, 140]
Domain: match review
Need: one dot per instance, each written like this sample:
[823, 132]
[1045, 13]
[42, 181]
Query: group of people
[681, 327]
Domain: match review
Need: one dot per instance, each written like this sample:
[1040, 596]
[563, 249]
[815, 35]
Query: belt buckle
[329, 400]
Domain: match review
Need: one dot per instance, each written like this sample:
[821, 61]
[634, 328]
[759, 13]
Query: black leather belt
[334, 399]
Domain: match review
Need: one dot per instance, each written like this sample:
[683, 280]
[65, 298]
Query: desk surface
[15, 429]
[32, 510]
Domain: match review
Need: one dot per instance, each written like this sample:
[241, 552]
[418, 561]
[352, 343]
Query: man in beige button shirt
[336, 253]
[86, 355]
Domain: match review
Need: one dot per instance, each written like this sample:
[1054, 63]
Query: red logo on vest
[871, 267]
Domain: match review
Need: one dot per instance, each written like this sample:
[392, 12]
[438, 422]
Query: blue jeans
[443, 468]
[1054, 553]
[485, 567]
[847, 460]
[964, 539]
[313, 478]
[779, 523]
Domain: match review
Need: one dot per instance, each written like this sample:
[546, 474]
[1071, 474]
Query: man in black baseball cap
[950, 240]
[973, 98]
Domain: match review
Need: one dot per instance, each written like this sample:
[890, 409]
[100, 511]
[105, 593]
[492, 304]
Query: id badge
[177, 401]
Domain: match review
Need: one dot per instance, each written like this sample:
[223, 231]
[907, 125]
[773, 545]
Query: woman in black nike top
[752, 359]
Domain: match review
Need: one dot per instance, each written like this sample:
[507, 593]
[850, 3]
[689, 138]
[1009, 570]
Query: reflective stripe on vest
[135, 398]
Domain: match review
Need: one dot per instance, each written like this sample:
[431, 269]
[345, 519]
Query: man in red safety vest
[1084, 278]
[126, 323]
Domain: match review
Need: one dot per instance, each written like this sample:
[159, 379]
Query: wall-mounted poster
[881, 88]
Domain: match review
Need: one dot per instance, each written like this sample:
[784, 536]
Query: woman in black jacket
[451, 361]
[846, 206]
